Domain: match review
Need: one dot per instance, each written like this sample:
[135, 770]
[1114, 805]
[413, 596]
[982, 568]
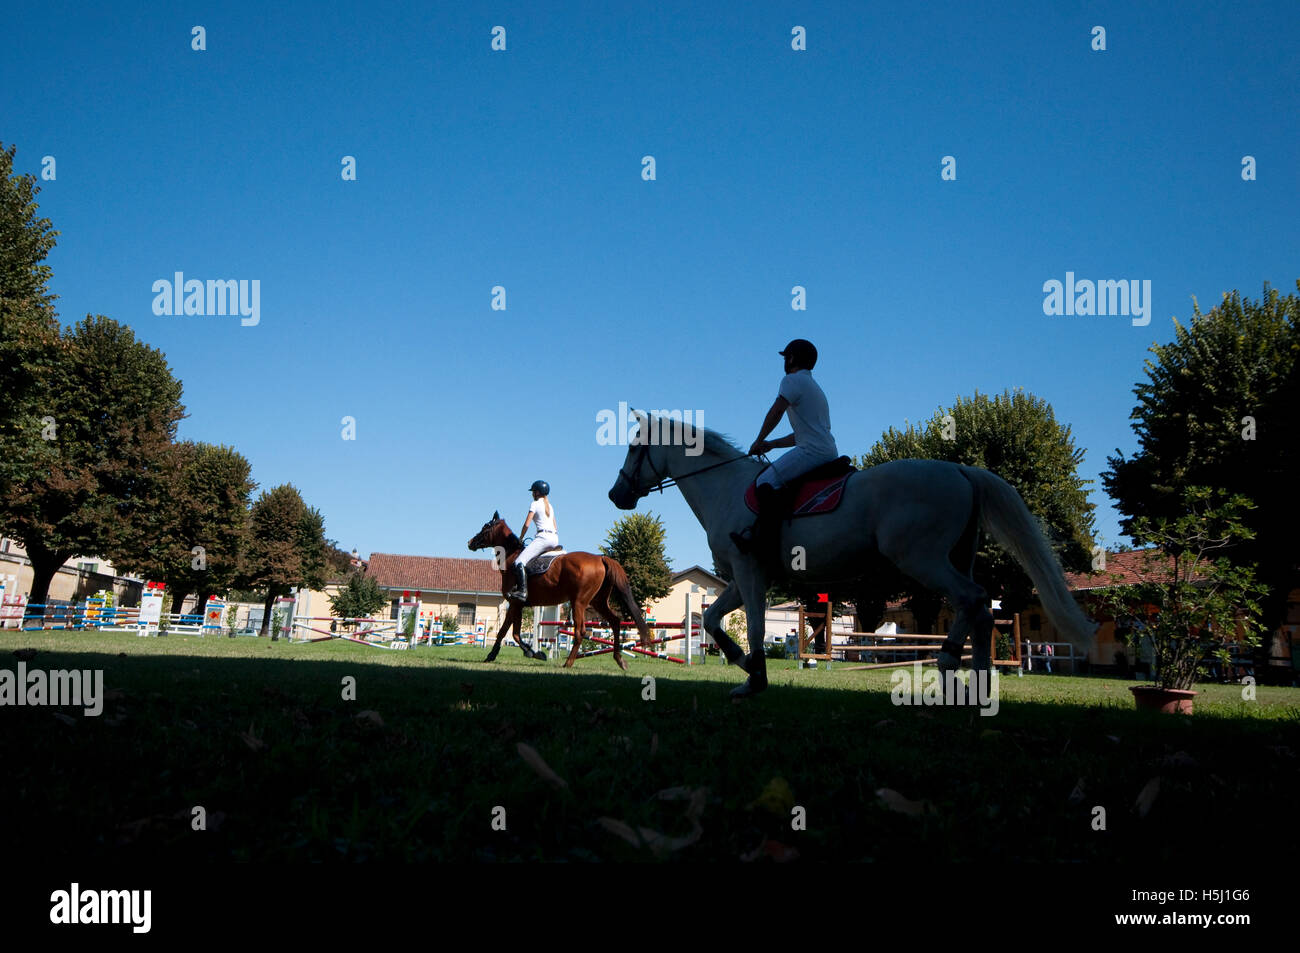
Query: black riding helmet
[540, 486]
[801, 352]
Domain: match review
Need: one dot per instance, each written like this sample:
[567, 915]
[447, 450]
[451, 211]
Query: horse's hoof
[749, 688]
[622, 663]
[540, 656]
[948, 663]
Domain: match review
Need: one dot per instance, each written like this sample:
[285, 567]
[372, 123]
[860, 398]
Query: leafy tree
[206, 505]
[360, 597]
[1016, 436]
[286, 546]
[449, 623]
[115, 407]
[1201, 604]
[1218, 409]
[338, 563]
[29, 330]
[637, 542]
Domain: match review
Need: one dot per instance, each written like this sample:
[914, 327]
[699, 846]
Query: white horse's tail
[1004, 515]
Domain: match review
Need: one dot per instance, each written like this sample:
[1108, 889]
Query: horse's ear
[495, 516]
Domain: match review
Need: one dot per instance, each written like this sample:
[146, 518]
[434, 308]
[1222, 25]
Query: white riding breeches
[542, 543]
[791, 465]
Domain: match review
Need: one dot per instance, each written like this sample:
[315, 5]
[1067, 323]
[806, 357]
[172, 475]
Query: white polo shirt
[809, 414]
[544, 523]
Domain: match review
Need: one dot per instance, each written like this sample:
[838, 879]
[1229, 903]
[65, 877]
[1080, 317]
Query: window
[87, 567]
[465, 615]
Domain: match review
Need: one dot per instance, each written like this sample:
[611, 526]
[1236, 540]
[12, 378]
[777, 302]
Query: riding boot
[521, 584]
[767, 517]
[767, 531]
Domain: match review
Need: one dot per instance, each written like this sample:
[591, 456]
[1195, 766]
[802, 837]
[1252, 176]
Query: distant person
[1048, 652]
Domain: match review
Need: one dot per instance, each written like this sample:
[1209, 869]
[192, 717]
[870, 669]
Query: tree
[286, 546]
[358, 598]
[205, 509]
[1218, 409]
[1188, 604]
[1016, 436]
[115, 407]
[637, 542]
[29, 331]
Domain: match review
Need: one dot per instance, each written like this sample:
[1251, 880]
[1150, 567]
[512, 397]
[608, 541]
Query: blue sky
[522, 168]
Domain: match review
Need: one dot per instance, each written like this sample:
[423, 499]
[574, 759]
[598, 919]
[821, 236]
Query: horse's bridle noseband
[669, 481]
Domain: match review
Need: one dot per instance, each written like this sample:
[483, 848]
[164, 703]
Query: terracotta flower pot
[1169, 700]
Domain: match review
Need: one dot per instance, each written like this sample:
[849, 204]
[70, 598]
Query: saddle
[820, 490]
[539, 564]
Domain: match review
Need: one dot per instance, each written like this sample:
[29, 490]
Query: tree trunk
[178, 596]
[45, 565]
[266, 612]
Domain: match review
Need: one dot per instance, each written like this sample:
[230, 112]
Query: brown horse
[584, 579]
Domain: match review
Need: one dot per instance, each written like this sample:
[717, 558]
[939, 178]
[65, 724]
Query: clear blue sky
[523, 169]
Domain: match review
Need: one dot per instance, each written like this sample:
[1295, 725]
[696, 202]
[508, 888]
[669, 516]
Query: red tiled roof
[1129, 566]
[434, 573]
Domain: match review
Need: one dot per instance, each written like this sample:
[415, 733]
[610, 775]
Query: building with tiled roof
[468, 588]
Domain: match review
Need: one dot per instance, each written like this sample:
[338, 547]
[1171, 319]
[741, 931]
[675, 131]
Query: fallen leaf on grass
[1114, 738]
[1077, 795]
[896, 802]
[774, 849]
[654, 744]
[370, 717]
[777, 798]
[883, 723]
[65, 719]
[1179, 759]
[538, 764]
[1147, 796]
[658, 843]
[252, 740]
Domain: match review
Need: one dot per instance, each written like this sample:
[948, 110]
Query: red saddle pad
[813, 497]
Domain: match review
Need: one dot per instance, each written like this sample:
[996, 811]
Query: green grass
[319, 783]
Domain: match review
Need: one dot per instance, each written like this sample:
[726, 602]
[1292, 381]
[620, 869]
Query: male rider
[802, 399]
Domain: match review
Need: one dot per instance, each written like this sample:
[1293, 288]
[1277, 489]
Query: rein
[668, 482]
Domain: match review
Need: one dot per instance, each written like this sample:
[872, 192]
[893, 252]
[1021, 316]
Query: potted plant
[1187, 606]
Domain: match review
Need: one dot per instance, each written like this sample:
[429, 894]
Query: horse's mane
[714, 441]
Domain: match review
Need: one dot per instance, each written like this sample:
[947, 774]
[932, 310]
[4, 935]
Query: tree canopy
[1017, 436]
[1217, 409]
[637, 542]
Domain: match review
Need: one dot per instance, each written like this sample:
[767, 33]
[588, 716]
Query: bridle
[664, 483]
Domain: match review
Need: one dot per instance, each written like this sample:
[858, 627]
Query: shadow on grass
[287, 770]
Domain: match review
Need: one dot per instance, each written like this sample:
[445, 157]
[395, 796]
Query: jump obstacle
[813, 624]
[624, 644]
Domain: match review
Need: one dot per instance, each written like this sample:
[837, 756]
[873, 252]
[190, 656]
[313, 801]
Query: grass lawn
[259, 735]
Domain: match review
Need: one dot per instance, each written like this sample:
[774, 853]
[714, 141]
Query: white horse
[924, 516]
